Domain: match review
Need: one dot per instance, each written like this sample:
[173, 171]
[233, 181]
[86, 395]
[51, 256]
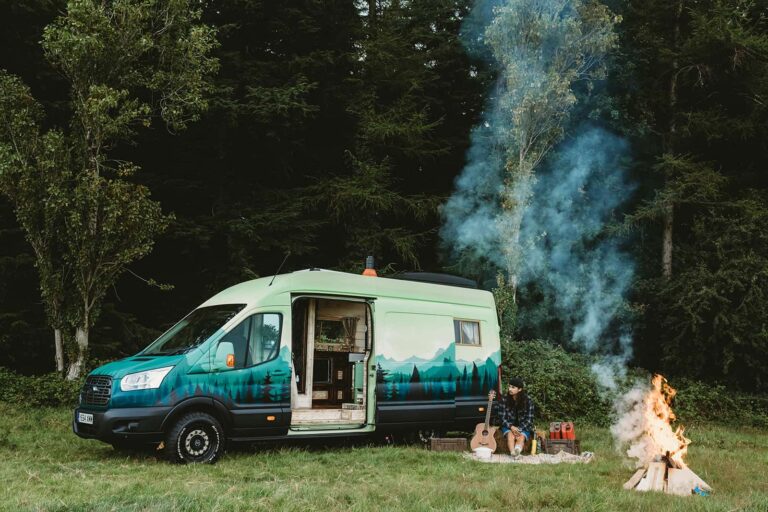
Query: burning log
[667, 476]
[646, 425]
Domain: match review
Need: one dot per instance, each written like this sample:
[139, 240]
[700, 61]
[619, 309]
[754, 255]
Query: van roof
[330, 282]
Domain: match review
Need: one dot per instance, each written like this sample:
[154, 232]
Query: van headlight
[151, 379]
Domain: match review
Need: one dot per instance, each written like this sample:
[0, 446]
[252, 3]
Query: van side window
[256, 339]
[265, 338]
[238, 337]
[467, 332]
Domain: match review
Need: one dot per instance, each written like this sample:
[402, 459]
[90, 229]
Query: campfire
[646, 425]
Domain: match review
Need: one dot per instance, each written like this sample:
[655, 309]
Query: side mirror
[225, 356]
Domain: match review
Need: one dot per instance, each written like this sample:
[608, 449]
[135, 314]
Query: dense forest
[321, 131]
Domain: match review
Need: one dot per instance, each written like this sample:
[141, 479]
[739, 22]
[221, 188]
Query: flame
[659, 417]
[646, 424]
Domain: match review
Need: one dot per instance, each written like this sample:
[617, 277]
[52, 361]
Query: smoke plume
[574, 273]
[578, 274]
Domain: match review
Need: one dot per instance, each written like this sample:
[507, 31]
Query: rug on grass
[542, 458]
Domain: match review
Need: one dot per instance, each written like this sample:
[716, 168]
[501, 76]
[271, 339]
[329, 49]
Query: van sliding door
[415, 370]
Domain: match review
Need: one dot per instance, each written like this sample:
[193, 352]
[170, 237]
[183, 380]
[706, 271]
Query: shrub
[41, 390]
[560, 383]
[698, 401]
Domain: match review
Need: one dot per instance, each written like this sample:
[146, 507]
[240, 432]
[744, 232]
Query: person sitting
[516, 412]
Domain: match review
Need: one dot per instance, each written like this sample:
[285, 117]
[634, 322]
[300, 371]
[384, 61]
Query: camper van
[307, 354]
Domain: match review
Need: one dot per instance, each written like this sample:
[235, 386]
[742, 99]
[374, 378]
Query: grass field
[43, 466]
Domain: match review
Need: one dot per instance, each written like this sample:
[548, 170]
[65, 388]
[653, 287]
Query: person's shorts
[505, 431]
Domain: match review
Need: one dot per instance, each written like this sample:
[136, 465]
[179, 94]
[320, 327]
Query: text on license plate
[83, 417]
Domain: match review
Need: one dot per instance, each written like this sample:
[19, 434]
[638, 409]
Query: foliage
[716, 306]
[35, 172]
[544, 49]
[697, 402]
[400, 62]
[506, 307]
[334, 128]
[560, 383]
[700, 133]
[40, 390]
[123, 61]
[357, 200]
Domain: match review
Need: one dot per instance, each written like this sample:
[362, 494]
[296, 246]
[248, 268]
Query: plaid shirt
[512, 417]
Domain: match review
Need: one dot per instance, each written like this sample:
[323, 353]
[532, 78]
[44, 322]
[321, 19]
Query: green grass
[43, 466]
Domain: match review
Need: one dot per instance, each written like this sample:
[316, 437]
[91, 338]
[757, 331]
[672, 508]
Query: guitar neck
[488, 413]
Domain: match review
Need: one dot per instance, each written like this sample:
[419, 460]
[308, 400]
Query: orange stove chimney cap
[369, 271]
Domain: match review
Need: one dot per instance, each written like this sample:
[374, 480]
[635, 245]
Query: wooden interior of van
[331, 347]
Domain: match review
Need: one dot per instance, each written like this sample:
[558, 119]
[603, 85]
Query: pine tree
[700, 129]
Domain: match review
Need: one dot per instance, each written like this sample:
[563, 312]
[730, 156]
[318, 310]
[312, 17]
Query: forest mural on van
[266, 383]
[441, 377]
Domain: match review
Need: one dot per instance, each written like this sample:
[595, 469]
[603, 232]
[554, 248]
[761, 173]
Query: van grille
[97, 390]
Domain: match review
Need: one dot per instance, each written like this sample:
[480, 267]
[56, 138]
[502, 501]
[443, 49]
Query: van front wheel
[195, 438]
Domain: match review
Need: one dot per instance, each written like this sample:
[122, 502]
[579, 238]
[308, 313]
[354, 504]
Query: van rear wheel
[196, 437]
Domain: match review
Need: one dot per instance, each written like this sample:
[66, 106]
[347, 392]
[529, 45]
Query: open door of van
[331, 346]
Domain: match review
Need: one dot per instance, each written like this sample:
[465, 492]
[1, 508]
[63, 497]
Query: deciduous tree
[544, 48]
[127, 63]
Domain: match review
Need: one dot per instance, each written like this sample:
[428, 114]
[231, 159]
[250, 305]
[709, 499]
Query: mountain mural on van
[440, 377]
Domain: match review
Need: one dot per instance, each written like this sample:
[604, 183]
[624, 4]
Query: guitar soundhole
[485, 432]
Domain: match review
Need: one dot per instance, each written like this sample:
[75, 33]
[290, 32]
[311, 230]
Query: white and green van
[307, 354]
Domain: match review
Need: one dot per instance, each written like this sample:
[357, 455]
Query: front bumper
[139, 424]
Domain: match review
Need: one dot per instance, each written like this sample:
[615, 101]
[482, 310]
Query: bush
[698, 401]
[42, 390]
[560, 383]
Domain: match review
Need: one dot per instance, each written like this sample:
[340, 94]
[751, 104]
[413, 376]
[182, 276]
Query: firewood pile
[666, 475]
[645, 426]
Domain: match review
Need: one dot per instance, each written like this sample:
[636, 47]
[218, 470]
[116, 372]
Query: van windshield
[192, 330]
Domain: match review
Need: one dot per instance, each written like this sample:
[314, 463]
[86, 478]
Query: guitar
[483, 431]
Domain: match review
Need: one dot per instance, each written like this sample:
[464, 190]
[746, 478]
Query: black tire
[196, 438]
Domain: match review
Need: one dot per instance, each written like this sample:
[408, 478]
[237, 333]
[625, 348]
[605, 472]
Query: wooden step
[326, 416]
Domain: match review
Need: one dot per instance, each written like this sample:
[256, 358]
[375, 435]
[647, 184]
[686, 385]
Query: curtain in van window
[350, 328]
[470, 333]
[265, 338]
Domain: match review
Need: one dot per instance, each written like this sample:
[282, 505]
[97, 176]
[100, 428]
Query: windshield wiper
[176, 352]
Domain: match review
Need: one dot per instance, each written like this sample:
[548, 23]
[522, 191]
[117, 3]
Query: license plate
[86, 418]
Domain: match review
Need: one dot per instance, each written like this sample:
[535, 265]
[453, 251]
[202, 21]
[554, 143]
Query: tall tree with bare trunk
[544, 48]
[127, 63]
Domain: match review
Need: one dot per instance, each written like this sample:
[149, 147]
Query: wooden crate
[448, 444]
[555, 446]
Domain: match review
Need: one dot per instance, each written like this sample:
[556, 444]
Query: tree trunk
[59, 343]
[372, 8]
[668, 215]
[515, 200]
[666, 248]
[76, 367]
